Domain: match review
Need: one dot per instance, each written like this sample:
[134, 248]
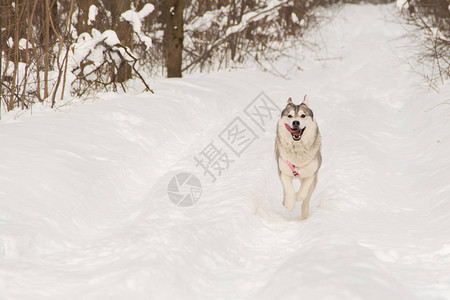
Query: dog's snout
[296, 123]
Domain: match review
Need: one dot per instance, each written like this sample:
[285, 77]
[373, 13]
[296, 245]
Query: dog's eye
[302, 116]
[289, 116]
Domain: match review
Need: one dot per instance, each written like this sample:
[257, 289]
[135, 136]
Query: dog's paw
[305, 213]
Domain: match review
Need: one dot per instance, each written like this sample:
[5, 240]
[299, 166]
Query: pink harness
[292, 168]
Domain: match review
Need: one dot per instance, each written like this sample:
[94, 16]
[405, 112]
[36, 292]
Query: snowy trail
[84, 212]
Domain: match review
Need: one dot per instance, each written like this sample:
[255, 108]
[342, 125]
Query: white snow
[135, 19]
[146, 10]
[24, 44]
[10, 42]
[95, 33]
[295, 18]
[93, 11]
[111, 38]
[84, 210]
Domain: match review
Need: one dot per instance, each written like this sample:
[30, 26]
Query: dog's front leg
[305, 192]
[304, 188]
[289, 192]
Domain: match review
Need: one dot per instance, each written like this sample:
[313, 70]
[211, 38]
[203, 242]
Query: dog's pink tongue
[295, 132]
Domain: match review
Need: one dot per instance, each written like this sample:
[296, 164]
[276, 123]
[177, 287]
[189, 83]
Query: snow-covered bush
[95, 62]
[53, 50]
[432, 19]
[224, 33]
[98, 60]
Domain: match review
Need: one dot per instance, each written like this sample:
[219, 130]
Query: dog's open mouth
[295, 132]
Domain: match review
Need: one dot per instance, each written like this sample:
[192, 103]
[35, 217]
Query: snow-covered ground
[85, 213]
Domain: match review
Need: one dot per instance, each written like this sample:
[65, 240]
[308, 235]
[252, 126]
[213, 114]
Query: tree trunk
[173, 37]
[124, 33]
[83, 16]
[46, 46]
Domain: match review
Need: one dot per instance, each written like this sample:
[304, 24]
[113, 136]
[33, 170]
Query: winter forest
[140, 149]
[52, 49]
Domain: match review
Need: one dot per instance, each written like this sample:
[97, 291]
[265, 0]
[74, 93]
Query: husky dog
[297, 150]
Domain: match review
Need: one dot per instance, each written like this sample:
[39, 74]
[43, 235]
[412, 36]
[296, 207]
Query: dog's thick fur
[299, 145]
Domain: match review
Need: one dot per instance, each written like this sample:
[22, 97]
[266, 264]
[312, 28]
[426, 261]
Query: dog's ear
[290, 101]
[305, 100]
